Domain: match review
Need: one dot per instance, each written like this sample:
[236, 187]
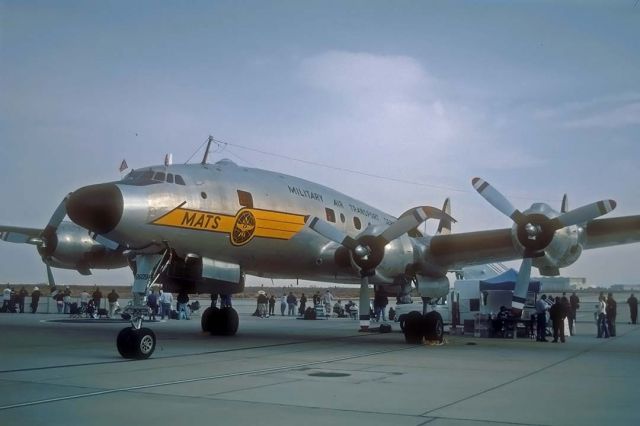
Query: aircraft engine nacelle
[398, 257]
[433, 287]
[71, 247]
[561, 249]
[564, 250]
[197, 274]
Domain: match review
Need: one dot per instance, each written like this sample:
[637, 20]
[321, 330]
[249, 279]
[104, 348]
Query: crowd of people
[558, 311]
[325, 305]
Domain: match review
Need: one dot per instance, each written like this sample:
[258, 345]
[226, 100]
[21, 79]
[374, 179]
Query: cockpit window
[149, 177]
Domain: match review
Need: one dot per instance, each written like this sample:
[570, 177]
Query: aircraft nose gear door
[136, 341]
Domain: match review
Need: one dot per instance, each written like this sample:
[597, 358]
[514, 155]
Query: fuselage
[251, 217]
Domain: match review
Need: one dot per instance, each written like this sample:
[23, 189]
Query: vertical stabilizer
[444, 227]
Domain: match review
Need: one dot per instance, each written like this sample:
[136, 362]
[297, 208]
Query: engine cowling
[71, 247]
[557, 250]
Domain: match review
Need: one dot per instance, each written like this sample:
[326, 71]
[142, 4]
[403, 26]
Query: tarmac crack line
[508, 382]
[196, 379]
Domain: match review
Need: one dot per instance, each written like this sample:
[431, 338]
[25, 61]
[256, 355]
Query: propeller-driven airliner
[199, 228]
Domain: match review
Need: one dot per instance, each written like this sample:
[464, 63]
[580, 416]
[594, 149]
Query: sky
[540, 98]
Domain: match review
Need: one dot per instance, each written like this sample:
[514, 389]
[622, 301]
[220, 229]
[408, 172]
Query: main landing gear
[220, 321]
[417, 327]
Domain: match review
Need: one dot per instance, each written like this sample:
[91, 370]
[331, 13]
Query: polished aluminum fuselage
[213, 189]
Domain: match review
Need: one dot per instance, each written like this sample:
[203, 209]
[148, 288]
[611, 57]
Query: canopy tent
[507, 281]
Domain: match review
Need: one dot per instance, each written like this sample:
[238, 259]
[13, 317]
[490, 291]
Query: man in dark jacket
[35, 299]
[612, 309]
[557, 312]
[574, 301]
[633, 308]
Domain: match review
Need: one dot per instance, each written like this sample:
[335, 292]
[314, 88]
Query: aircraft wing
[469, 248]
[612, 232]
[458, 250]
[16, 234]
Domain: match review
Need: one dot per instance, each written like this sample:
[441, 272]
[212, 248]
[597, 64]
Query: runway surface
[283, 371]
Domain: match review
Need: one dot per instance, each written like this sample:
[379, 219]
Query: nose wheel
[136, 343]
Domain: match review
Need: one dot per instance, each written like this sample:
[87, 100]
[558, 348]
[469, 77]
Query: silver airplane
[202, 227]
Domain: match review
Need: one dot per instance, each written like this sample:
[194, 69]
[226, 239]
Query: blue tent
[507, 281]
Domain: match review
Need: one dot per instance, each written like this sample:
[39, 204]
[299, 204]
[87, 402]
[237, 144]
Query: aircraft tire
[204, 319]
[433, 327]
[413, 325]
[126, 342]
[228, 321]
[213, 322]
[145, 343]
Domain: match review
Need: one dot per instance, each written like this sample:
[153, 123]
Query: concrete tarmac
[284, 371]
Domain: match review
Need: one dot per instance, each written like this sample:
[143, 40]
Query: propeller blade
[522, 286]
[564, 207]
[334, 234]
[584, 213]
[409, 221]
[497, 200]
[50, 279]
[59, 214]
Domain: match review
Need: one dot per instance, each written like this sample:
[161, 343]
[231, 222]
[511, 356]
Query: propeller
[535, 231]
[368, 250]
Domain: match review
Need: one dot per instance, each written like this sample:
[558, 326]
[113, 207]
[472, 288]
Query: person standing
[113, 302]
[283, 303]
[35, 299]
[272, 305]
[633, 308]
[84, 302]
[541, 317]
[166, 299]
[327, 299]
[59, 298]
[612, 311]
[183, 301]
[152, 302]
[557, 314]
[292, 301]
[22, 294]
[97, 296]
[66, 299]
[303, 304]
[574, 302]
[601, 311]
[262, 304]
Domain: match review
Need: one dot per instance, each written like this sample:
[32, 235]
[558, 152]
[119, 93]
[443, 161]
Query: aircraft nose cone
[96, 207]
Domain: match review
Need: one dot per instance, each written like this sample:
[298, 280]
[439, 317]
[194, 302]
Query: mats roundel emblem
[243, 229]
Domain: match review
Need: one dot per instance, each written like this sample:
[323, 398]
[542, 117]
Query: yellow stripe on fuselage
[243, 226]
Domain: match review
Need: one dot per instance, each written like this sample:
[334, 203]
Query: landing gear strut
[137, 342]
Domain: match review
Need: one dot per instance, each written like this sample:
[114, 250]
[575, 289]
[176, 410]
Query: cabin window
[179, 180]
[245, 199]
[331, 215]
[203, 195]
[169, 177]
[357, 223]
[342, 218]
[159, 176]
